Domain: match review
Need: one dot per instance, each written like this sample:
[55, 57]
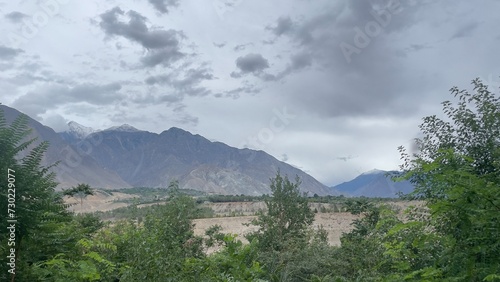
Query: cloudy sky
[331, 87]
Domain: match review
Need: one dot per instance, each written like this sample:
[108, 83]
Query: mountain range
[374, 183]
[123, 157]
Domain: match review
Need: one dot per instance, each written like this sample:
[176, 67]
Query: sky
[331, 87]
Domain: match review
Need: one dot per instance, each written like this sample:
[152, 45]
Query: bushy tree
[39, 211]
[284, 230]
[157, 249]
[234, 262]
[457, 173]
[80, 191]
[287, 218]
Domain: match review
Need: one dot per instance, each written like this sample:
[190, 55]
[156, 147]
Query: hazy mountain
[74, 166]
[374, 183]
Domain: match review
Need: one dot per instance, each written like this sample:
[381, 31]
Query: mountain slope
[74, 167]
[124, 156]
[375, 183]
[153, 160]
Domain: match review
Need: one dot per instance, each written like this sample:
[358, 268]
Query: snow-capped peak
[124, 127]
[79, 130]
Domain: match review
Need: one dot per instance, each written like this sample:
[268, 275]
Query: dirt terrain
[335, 223]
[101, 201]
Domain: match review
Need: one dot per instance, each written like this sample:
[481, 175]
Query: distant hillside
[375, 183]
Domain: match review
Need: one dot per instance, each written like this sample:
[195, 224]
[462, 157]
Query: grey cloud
[219, 45]
[186, 85]
[163, 45]
[7, 53]
[236, 93]
[416, 47]
[252, 63]
[187, 119]
[15, 17]
[56, 122]
[242, 47]
[317, 40]
[48, 97]
[298, 62]
[169, 98]
[137, 30]
[284, 25]
[164, 57]
[466, 30]
[163, 5]
[26, 78]
[267, 76]
[152, 98]
[5, 66]
[301, 60]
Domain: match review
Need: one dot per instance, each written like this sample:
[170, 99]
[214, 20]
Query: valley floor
[334, 223]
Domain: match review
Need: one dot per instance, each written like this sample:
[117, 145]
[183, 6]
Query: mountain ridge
[74, 167]
[127, 157]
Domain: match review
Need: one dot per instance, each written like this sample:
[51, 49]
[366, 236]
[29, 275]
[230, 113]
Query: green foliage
[235, 262]
[39, 211]
[156, 249]
[288, 247]
[84, 265]
[454, 237]
[287, 218]
[81, 191]
[457, 172]
[233, 198]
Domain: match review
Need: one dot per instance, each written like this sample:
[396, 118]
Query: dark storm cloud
[7, 53]
[15, 17]
[163, 45]
[48, 97]
[163, 5]
[466, 30]
[317, 40]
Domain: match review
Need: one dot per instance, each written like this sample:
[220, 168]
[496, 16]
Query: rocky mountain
[123, 156]
[74, 167]
[76, 132]
[374, 183]
[145, 159]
